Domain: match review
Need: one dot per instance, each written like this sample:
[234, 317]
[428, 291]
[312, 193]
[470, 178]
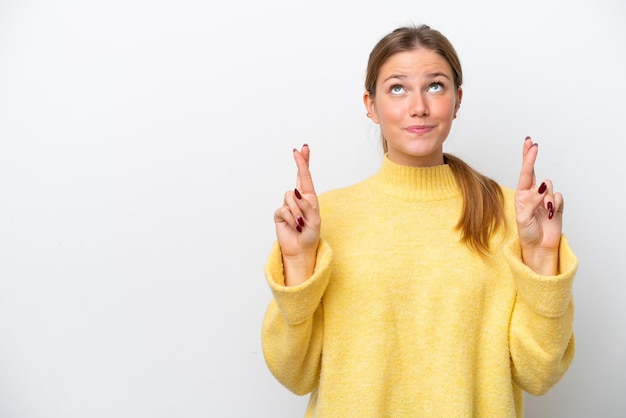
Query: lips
[420, 129]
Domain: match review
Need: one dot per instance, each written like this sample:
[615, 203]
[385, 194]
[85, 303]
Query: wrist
[298, 268]
[544, 261]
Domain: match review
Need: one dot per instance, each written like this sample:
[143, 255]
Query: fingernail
[550, 210]
[536, 144]
[298, 228]
[301, 221]
[297, 193]
[305, 145]
[294, 150]
[527, 138]
[542, 188]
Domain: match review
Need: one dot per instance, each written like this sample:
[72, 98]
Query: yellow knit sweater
[402, 320]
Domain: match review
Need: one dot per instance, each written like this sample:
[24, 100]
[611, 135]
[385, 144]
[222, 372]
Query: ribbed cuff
[297, 303]
[547, 295]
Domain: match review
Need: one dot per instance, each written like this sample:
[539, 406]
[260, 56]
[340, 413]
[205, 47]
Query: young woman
[426, 290]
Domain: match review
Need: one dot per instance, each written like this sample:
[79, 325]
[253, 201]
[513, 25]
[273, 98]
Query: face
[415, 103]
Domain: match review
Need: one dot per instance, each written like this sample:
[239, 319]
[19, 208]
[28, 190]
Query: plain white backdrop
[144, 146]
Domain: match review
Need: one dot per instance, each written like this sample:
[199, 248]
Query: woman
[426, 289]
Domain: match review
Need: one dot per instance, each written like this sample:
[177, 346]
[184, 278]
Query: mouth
[420, 129]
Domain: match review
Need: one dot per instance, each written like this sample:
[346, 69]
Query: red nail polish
[542, 188]
[297, 193]
[550, 210]
[298, 228]
[300, 221]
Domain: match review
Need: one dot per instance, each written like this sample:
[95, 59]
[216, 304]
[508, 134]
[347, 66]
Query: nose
[419, 106]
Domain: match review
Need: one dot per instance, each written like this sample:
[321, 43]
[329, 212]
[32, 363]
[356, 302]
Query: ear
[370, 107]
[459, 97]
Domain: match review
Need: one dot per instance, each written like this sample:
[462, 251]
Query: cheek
[392, 111]
[447, 108]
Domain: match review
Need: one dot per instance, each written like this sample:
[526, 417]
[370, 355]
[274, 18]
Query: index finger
[527, 173]
[304, 181]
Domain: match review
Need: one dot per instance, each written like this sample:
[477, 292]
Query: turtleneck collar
[416, 183]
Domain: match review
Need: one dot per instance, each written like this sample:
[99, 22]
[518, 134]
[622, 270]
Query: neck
[429, 160]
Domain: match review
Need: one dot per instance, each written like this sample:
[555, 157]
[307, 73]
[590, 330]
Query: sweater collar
[416, 183]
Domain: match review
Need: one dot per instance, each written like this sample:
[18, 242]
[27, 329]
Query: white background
[144, 146]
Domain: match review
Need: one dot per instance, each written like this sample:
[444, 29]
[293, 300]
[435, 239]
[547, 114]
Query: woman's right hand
[298, 224]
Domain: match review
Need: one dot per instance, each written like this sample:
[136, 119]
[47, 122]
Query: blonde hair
[483, 201]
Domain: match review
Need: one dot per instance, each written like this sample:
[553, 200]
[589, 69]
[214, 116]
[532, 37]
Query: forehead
[416, 62]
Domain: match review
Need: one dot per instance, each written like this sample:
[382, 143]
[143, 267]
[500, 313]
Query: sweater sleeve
[541, 329]
[293, 325]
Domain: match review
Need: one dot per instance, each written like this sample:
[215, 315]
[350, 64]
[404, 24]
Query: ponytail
[483, 205]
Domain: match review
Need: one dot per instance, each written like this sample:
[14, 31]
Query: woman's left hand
[539, 216]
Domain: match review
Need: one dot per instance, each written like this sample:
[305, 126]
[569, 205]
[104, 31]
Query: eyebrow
[429, 75]
[398, 76]
[438, 74]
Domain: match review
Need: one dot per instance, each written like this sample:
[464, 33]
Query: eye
[435, 87]
[397, 89]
